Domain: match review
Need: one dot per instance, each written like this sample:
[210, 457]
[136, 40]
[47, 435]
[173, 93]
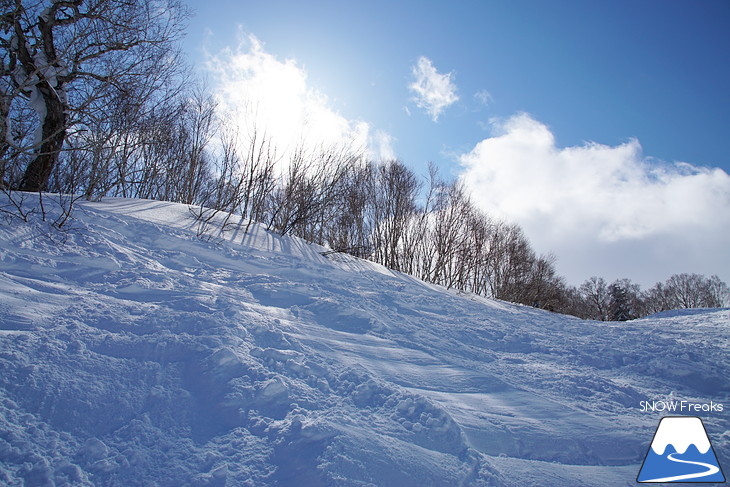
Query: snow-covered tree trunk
[40, 74]
[53, 134]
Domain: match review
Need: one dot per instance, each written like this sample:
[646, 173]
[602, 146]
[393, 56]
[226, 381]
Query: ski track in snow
[134, 352]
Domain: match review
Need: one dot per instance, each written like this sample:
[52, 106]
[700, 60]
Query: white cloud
[483, 97]
[255, 90]
[603, 210]
[381, 146]
[433, 91]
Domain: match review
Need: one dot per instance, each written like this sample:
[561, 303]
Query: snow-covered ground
[133, 352]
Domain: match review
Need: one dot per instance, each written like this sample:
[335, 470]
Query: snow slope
[133, 352]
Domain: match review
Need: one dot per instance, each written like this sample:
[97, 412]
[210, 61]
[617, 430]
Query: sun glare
[258, 92]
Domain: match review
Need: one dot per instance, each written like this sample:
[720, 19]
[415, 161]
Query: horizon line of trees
[624, 300]
[95, 100]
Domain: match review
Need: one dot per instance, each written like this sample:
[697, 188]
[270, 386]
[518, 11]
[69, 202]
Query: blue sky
[622, 89]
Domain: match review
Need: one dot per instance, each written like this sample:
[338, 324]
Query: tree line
[96, 100]
[624, 300]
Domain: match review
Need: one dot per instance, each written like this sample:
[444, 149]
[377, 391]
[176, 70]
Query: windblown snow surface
[133, 352]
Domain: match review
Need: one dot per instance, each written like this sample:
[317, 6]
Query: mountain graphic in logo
[680, 452]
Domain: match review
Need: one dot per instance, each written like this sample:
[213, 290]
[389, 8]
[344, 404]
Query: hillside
[134, 352]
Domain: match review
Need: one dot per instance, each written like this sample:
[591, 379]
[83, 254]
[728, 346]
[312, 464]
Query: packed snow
[139, 347]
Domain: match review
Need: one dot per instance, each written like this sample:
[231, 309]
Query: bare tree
[594, 292]
[658, 298]
[696, 291]
[545, 288]
[508, 262]
[450, 235]
[394, 192]
[63, 55]
[477, 257]
[311, 191]
[350, 228]
[243, 175]
[717, 293]
[197, 125]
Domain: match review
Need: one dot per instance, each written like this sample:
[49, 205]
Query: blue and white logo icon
[680, 452]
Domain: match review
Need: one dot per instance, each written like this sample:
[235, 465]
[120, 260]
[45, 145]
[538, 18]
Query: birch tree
[61, 56]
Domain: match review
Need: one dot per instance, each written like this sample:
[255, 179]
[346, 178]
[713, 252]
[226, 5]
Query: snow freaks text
[680, 407]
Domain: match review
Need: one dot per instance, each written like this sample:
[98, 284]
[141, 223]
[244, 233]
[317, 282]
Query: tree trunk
[53, 135]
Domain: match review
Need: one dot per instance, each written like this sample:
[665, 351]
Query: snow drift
[134, 352]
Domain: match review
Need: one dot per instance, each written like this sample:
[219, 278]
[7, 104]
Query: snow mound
[686, 312]
[137, 348]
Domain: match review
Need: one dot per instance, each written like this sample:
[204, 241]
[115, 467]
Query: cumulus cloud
[591, 204]
[432, 90]
[256, 90]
